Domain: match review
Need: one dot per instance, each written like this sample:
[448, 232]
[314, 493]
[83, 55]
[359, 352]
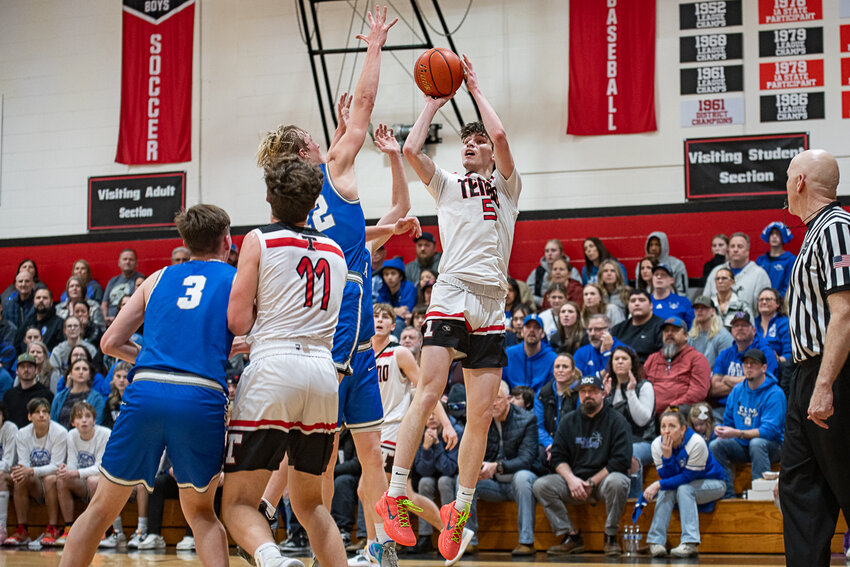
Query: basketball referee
[813, 483]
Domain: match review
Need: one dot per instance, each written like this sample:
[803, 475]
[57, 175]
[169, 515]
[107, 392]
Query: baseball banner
[156, 82]
[798, 74]
[786, 11]
[612, 67]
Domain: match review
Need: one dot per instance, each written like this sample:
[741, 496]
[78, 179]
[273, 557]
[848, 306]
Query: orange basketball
[438, 72]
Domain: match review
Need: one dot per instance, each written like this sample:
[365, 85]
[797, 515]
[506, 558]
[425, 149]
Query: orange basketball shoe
[394, 512]
[451, 536]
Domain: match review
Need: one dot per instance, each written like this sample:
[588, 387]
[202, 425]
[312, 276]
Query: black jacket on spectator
[710, 265]
[50, 326]
[518, 447]
[8, 331]
[588, 445]
[551, 412]
[437, 461]
[17, 399]
[645, 339]
[639, 432]
[17, 311]
[349, 463]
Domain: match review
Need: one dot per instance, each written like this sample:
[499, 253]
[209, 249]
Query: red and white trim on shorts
[285, 426]
[491, 330]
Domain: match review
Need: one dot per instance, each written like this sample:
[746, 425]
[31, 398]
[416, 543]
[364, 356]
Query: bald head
[812, 181]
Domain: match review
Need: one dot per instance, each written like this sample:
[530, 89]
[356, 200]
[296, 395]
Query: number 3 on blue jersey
[322, 219]
[194, 290]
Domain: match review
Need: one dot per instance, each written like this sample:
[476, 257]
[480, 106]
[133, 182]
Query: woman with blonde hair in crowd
[556, 296]
[75, 292]
[93, 289]
[556, 399]
[570, 329]
[726, 300]
[707, 334]
[116, 393]
[45, 372]
[614, 285]
[595, 304]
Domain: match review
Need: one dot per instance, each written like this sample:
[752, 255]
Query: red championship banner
[845, 104]
[797, 74]
[612, 67]
[156, 82]
[785, 11]
[845, 72]
[845, 38]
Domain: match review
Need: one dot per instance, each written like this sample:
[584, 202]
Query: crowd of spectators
[606, 377]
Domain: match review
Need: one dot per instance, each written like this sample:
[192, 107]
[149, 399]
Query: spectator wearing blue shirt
[396, 290]
[754, 421]
[777, 262]
[728, 368]
[594, 253]
[592, 359]
[530, 362]
[666, 303]
[772, 324]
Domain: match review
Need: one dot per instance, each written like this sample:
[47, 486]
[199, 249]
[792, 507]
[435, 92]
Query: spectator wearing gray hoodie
[658, 247]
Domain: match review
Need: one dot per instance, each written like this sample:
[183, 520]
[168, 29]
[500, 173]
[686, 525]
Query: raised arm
[341, 155]
[343, 113]
[421, 163]
[492, 123]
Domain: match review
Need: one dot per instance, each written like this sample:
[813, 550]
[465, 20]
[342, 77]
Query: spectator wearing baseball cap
[777, 262]
[665, 302]
[679, 373]
[530, 362]
[397, 291]
[753, 423]
[708, 334]
[591, 454]
[28, 388]
[427, 257]
[728, 369]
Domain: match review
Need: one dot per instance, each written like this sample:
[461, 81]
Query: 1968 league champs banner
[156, 82]
[612, 67]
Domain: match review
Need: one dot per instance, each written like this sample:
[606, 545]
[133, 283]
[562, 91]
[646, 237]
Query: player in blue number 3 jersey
[177, 390]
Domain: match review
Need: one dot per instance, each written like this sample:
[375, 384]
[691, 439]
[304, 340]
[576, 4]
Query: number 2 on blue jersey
[194, 291]
[322, 218]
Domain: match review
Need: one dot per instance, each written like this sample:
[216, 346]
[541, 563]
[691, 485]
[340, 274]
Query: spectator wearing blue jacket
[592, 359]
[754, 423]
[80, 378]
[777, 262]
[728, 368]
[666, 303]
[530, 362]
[396, 290]
[688, 476]
[772, 324]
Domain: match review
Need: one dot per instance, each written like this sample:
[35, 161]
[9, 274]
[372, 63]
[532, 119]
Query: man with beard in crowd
[679, 373]
[43, 318]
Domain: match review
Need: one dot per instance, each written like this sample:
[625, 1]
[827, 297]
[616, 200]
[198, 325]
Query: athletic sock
[380, 534]
[143, 524]
[4, 508]
[398, 482]
[463, 498]
[267, 554]
[118, 525]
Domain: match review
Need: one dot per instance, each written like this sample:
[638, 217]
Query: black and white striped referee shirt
[821, 268]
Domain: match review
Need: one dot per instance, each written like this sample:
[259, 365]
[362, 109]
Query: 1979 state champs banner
[612, 67]
[156, 82]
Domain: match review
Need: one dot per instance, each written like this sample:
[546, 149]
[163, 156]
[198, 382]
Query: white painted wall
[60, 68]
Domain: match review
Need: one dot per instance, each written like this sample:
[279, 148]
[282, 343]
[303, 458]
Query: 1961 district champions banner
[612, 67]
[156, 82]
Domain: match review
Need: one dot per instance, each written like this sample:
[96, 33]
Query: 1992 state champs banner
[612, 67]
[156, 82]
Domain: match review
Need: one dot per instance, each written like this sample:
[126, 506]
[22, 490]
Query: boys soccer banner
[612, 67]
[156, 82]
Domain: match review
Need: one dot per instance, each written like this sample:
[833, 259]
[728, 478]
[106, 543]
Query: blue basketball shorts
[181, 413]
[347, 334]
[360, 406]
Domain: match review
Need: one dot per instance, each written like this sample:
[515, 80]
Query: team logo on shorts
[40, 457]
[446, 328]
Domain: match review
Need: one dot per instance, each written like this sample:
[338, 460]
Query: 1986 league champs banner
[612, 67]
[156, 82]
[740, 166]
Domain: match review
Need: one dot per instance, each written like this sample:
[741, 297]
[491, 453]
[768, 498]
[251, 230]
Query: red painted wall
[690, 237]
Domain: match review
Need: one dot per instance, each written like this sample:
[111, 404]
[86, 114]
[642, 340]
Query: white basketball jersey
[395, 386]
[476, 218]
[299, 290]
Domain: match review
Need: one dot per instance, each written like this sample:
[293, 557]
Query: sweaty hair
[202, 227]
[384, 309]
[78, 409]
[292, 187]
[37, 403]
[281, 141]
[474, 128]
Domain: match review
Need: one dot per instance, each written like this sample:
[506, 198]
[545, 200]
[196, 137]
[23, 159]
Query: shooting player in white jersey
[476, 214]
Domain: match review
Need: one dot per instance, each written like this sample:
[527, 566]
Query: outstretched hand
[408, 224]
[469, 73]
[378, 28]
[343, 111]
[385, 140]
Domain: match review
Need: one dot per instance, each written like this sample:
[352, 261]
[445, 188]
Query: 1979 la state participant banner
[612, 67]
[156, 82]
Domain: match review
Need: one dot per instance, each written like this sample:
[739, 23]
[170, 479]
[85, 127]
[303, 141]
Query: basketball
[438, 72]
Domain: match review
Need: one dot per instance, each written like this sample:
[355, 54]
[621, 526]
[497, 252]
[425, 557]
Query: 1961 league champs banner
[156, 82]
[612, 67]
[740, 166]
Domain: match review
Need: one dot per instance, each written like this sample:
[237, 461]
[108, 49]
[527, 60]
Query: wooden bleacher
[735, 526]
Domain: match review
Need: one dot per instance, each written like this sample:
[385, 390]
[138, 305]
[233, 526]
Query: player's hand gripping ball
[438, 72]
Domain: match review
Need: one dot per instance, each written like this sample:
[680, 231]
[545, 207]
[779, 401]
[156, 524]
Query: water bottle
[628, 541]
[636, 538]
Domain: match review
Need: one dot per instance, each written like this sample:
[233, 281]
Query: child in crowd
[701, 420]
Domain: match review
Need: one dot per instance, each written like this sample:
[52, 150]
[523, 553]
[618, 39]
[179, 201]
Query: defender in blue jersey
[178, 389]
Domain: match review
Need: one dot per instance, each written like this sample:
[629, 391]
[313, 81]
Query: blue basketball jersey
[343, 221]
[186, 321]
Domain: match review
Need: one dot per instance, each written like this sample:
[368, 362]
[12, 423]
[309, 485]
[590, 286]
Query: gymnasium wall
[60, 68]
